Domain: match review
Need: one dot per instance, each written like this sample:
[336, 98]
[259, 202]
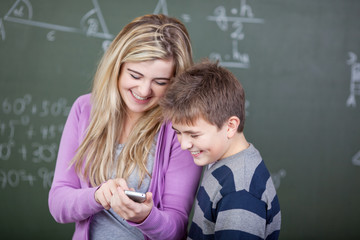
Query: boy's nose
[185, 143]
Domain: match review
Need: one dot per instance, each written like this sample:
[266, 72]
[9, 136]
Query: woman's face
[142, 84]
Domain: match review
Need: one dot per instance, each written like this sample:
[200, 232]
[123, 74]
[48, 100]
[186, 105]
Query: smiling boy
[237, 198]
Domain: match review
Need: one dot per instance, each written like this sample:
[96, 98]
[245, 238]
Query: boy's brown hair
[205, 90]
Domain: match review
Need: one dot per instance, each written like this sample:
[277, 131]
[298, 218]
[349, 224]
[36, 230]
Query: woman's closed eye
[134, 76]
[161, 83]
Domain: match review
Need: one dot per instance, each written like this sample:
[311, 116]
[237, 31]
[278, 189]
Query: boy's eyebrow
[131, 70]
[188, 132]
[174, 129]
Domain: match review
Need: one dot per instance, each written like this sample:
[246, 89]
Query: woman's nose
[144, 88]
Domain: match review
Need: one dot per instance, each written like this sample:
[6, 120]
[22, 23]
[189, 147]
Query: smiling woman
[142, 84]
[115, 140]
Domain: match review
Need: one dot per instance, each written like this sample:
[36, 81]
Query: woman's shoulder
[83, 102]
[83, 99]
[81, 107]
[167, 125]
[166, 130]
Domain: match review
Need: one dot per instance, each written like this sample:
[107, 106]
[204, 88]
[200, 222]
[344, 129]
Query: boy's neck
[238, 143]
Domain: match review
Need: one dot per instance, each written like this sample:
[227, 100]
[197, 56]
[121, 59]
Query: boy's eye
[194, 136]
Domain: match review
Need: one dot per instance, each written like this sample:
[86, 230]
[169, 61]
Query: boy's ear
[232, 126]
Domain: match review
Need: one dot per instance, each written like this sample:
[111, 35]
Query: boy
[236, 198]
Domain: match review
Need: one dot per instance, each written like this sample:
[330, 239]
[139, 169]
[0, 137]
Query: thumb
[149, 199]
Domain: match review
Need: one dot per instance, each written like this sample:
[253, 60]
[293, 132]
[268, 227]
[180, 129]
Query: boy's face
[205, 141]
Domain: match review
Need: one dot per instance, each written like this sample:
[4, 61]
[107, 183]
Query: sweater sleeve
[240, 215]
[179, 181]
[70, 198]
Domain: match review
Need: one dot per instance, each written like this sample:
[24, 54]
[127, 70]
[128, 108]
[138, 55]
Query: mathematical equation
[92, 24]
[354, 79]
[13, 178]
[236, 20]
[25, 139]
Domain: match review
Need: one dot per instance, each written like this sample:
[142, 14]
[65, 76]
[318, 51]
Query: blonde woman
[115, 140]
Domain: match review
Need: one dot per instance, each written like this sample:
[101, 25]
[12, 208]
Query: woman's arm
[70, 198]
[180, 179]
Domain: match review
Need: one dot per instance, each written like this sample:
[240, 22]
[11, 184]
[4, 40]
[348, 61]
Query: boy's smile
[205, 141]
[195, 153]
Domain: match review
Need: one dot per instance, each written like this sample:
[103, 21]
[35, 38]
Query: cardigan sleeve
[177, 183]
[70, 198]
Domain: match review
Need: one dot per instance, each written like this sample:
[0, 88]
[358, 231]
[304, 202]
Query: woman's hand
[105, 192]
[127, 208]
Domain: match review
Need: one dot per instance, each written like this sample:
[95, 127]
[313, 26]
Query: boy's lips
[195, 153]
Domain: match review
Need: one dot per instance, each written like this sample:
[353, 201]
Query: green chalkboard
[297, 60]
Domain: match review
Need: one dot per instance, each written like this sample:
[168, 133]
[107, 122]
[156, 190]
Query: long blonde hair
[146, 38]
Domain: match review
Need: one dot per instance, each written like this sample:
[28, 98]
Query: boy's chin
[201, 163]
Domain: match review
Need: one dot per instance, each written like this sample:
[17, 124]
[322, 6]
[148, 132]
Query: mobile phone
[136, 196]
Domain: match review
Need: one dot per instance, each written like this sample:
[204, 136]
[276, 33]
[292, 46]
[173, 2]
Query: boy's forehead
[194, 126]
[184, 126]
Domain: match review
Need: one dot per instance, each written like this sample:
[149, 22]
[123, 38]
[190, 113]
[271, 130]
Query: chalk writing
[29, 134]
[161, 7]
[24, 105]
[2, 30]
[92, 23]
[356, 159]
[354, 80]
[15, 177]
[51, 36]
[276, 177]
[237, 20]
[247, 105]
[185, 18]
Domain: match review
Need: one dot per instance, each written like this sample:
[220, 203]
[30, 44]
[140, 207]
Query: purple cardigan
[173, 184]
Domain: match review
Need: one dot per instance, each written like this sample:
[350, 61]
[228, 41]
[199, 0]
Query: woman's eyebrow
[159, 78]
[131, 70]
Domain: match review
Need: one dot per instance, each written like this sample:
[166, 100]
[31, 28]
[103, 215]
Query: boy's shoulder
[236, 173]
[243, 161]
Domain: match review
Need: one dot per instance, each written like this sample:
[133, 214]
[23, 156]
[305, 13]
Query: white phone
[136, 196]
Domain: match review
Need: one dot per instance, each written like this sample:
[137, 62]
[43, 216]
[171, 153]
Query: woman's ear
[232, 126]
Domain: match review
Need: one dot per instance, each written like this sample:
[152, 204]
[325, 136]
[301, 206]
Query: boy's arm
[240, 215]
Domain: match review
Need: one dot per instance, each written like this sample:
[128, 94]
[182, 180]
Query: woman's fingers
[122, 183]
[105, 192]
[111, 195]
[102, 200]
[130, 210]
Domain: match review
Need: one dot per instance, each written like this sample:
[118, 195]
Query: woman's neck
[129, 124]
